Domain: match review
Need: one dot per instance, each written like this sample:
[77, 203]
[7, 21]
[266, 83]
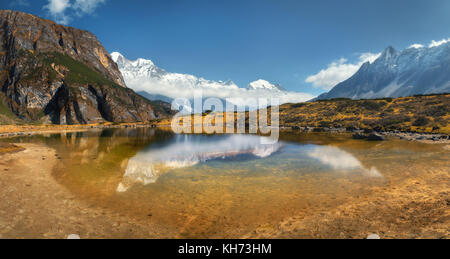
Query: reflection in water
[189, 150]
[229, 185]
[341, 160]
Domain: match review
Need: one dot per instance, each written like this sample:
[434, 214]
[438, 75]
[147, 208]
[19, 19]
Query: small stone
[373, 236]
[73, 236]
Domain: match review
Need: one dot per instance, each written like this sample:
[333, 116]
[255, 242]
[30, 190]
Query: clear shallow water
[227, 185]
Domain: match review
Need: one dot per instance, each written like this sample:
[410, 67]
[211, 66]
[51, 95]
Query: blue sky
[281, 41]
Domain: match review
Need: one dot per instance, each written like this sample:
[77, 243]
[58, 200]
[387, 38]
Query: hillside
[421, 114]
[418, 113]
[54, 74]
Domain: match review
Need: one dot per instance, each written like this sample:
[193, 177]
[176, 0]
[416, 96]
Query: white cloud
[57, 8]
[86, 6]
[438, 43]
[63, 10]
[339, 71]
[169, 86]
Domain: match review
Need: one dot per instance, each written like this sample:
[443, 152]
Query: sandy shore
[7, 131]
[34, 205]
[418, 208]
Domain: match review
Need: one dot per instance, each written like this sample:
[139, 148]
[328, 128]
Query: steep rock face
[28, 32]
[56, 74]
[413, 71]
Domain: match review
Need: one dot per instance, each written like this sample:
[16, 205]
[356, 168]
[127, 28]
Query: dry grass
[423, 114]
[418, 113]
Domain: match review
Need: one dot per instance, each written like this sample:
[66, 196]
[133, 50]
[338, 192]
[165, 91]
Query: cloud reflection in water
[189, 150]
[339, 159]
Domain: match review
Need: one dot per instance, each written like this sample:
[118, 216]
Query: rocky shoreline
[9, 131]
[371, 135]
[17, 131]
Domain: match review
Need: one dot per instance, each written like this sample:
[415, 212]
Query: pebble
[73, 236]
[373, 236]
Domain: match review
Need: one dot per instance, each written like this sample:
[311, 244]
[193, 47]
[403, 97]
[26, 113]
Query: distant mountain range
[155, 83]
[417, 70]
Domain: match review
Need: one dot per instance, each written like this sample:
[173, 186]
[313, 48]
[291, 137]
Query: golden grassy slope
[410, 114]
[417, 113]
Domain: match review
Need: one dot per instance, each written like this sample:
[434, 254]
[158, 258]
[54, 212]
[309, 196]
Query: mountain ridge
[413, 71]
[144, 76]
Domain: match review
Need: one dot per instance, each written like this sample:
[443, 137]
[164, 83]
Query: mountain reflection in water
[225, 186]
[189, 150]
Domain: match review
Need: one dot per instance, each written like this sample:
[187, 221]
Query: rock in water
[359, 136]
[375, 137]
[55, 74]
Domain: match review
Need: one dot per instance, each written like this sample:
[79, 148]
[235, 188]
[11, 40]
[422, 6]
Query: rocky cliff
[56, 74]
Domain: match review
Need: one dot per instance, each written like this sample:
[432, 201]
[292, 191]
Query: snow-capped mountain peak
[263, 84]
[143, 62]
[387, 54]
[415, 70]
[143, 75]
[115, 56]
[138, 68]
[118, 58]
[122, 61]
